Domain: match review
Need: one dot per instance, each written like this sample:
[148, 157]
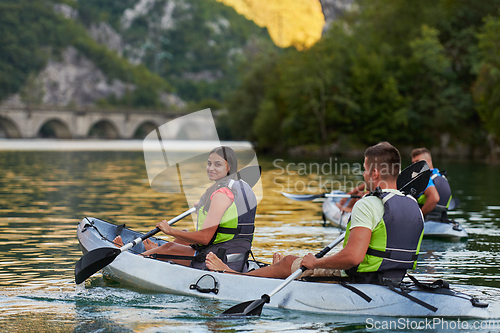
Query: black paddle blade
[407, 179]
[94, 261]
[249, 308]
[418, 184]
[411, 172]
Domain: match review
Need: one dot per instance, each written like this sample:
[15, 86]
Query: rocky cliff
[333, 9]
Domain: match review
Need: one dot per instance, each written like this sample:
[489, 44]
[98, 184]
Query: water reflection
[43, 195]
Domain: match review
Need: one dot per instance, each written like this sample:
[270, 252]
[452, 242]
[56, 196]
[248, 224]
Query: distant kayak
[131, 268]
[432, 229]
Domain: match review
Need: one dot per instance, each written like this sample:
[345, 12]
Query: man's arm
[432, 199]
[351, 255]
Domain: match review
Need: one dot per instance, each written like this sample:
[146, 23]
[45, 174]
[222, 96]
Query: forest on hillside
[189, 48]
[420, 73]
[32, 33]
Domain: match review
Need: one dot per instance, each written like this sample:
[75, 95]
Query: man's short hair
[384, 157]
[419, 151]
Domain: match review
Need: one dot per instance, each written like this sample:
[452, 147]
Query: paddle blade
[411, 172]
[454, 203]
[303, 197]
[94, 261]
[249, 308]
[418, 184]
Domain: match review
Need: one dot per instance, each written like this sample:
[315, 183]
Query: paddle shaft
[310, 197]
[299, 271]
[153, 232]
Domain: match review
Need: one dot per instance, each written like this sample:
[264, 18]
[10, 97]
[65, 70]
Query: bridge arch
[144, 129]
[103, 129]
[54, 128]
[8, 128]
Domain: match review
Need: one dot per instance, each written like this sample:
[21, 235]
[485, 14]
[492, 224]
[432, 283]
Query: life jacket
[395, 241]
[238, 220]
[236, 228]
[443, 188]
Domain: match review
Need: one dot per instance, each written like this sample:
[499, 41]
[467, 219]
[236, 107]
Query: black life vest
[395, 241]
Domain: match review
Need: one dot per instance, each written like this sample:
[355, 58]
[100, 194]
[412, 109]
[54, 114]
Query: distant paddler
[437, 197]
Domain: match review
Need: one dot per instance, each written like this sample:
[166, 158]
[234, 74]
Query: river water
[44, 194]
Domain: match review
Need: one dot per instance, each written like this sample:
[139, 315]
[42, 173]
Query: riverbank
[461, 152]
[457, 152]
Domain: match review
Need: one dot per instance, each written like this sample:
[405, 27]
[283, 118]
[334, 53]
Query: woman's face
[217, 167]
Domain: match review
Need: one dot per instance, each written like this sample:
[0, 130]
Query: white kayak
[133, 269]
[432, 229]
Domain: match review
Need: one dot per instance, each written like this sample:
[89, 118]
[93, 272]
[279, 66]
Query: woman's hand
[165, 227]
[309, 261]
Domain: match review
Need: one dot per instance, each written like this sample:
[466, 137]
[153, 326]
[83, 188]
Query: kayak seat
[438, 214]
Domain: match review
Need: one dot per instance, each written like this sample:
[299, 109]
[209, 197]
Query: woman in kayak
[225, 225]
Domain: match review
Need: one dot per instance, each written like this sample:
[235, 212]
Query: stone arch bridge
[81, 124]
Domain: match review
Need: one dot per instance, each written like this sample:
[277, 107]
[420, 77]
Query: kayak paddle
[404, 178]
[95, 260]
[254, 308]
[414, 181]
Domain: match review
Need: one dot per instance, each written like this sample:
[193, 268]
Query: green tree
[487, 87]
[27, 31]
[387, 71]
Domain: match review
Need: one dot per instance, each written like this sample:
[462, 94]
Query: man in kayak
[436, 197]
[382, 238]
[226, 216]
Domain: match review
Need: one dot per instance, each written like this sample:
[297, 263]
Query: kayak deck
[132, 269]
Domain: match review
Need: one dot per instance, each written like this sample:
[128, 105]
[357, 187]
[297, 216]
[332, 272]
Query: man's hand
[309, 261]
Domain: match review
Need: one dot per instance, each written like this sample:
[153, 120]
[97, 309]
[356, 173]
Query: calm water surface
[43, 195]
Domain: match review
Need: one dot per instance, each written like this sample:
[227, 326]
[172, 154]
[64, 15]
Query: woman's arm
[220, 203]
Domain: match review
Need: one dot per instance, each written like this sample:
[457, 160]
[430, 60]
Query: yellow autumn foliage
[297, 23]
